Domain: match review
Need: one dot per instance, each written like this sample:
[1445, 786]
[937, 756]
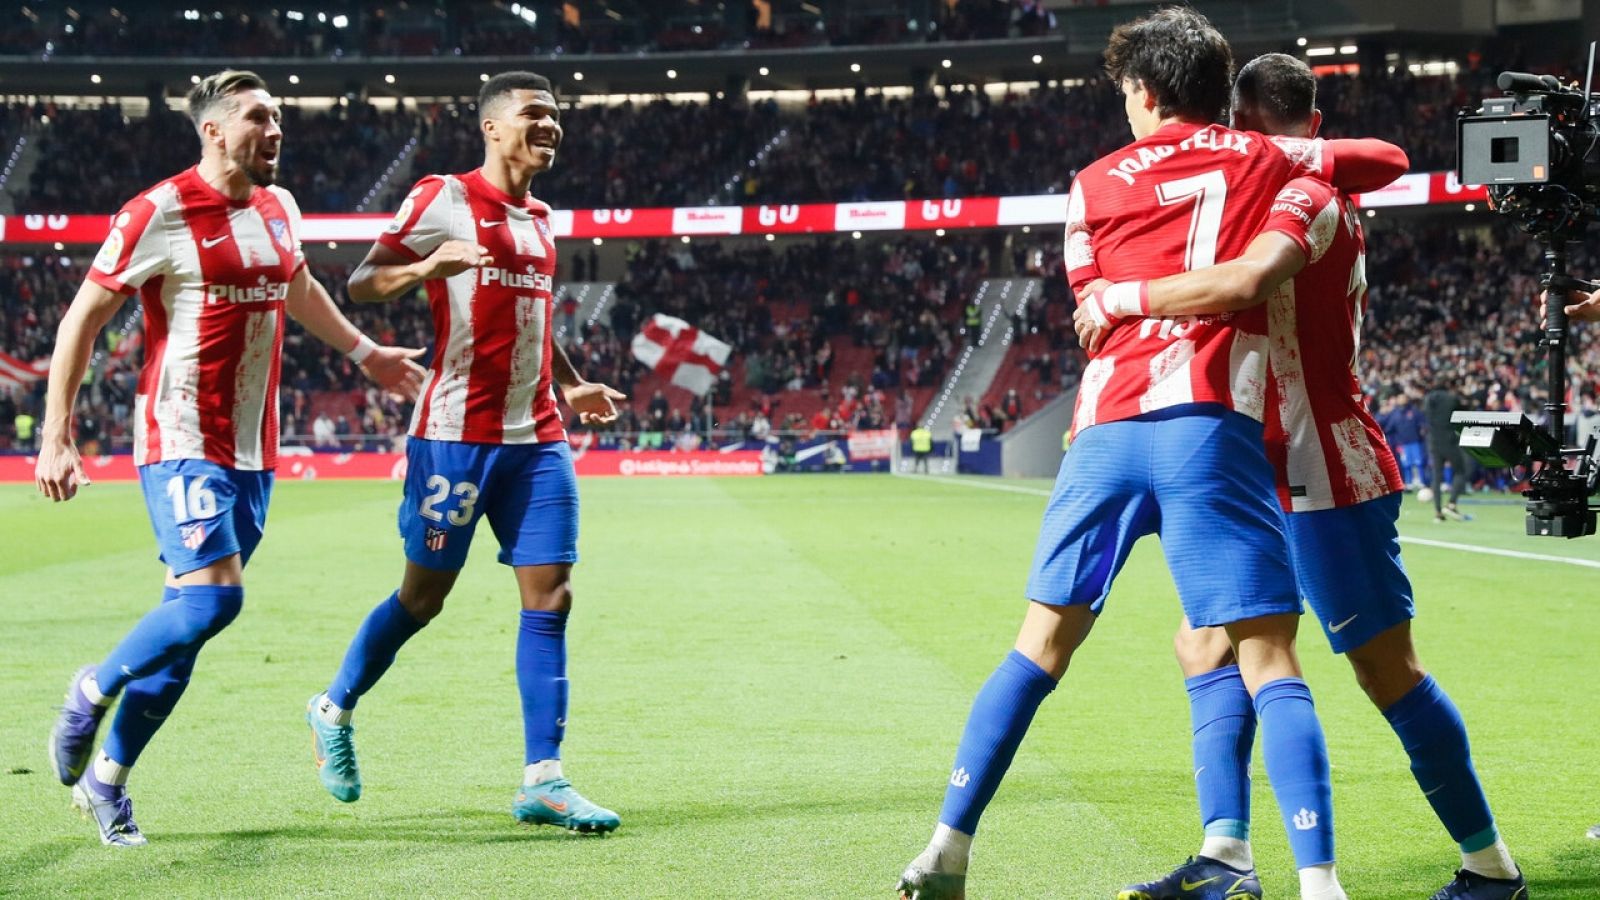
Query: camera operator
[1583, 308]
[1444, 448]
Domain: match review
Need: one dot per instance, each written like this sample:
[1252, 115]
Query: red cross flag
[680, 353]
[16, 374]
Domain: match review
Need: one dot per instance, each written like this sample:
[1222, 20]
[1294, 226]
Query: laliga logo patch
[402, 214]
[1295, 195]
[110, 252]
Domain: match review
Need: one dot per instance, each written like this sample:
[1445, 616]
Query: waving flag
[15, 374]
[680, 353]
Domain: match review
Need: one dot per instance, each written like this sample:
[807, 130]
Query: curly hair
[1178, 56]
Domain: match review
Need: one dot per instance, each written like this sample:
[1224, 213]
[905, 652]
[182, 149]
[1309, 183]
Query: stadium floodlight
[598, 242]
[1300, 42]
[855, 67]
[672, 73]
[94, 79]
[576, 76]
[341, 21]
[388, 79]
[1347, 49]
[1321, 51]
[294, 79]
[945, 63]
[764, 71]
[1037, 58]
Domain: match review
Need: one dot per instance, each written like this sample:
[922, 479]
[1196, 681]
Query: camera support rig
[1534, 151]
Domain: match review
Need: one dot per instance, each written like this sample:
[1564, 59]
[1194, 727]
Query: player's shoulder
[284, 196]
[536, 206]
[1305, 193]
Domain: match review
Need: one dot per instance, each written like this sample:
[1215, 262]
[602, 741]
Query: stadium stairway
[21, 157]
[389, 182]
[594, 304]
[975, 369]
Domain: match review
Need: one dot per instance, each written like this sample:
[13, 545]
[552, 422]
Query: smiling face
[522, 127]
[249, 131]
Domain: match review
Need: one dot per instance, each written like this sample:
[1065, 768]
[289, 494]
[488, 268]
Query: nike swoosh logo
[484, 223]
[155, 718]
[127, 671]
[1198, 771]
[208, 243]
[558, 807]
[1432, 792]
[1335, 629]
[1188, 885]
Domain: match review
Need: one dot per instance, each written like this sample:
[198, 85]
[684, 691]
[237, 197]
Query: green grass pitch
[769, 677]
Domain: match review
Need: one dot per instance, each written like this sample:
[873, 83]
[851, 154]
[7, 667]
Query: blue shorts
[203, 512]
[1197, 476]
[528, 491]
[1347, 561]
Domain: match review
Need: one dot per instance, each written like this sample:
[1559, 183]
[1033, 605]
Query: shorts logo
[435, 539]
[193, 534]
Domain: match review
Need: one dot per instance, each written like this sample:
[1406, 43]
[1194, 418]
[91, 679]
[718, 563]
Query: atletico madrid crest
[193, 534]
[435, 538]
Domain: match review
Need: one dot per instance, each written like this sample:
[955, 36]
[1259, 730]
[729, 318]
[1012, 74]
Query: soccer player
[486, 438]
[214, 254]
[1341, 488]
[1167, 438]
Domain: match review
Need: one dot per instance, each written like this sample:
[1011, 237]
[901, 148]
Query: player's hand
[59, 470]
[1099, 284]
[1586, 309]
[393, 369]
[594, 403]
[453, 258]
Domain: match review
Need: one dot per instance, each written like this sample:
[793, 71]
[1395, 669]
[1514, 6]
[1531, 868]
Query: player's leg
[1224, 729]
[1098, 508]
[1222, 533]
[1436, 461]
[1458, 482]
[207, 521]
[439, 511]
[534, 514]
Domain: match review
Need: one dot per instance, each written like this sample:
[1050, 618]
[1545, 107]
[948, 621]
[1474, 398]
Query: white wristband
[1126, 298]
[363, 349]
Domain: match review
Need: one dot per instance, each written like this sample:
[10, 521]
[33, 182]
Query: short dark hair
[1179, 57]
[1278, 88]
[506, 82]
[219, 88]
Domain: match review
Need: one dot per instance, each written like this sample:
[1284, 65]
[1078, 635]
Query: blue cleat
[114, 815]
[557, 803]
[333, 749]
[1200, 878]
[1472, 886]
[918, 883]
[72, 737]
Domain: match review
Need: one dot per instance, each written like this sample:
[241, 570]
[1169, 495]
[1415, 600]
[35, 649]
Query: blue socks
[1296, 754]
[169, 632]
[542, 681]
[372, 651]
[1430, 728]
[1000, 717]
[146, 703]
[1224, 733]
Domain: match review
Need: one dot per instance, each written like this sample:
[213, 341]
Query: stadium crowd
[834, 333]
[955, 142]
[480, 28]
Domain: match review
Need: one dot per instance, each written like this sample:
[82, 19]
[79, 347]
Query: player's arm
[1358, 165]
[1240, 283]
[391, 367]
[387, 272]
[593, 402]
[59, 469]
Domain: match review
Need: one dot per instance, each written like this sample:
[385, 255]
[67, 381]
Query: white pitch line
[1426, 542]
[1496, 551]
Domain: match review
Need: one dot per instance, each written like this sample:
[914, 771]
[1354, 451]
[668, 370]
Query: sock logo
[1305, 819]
[959, 778]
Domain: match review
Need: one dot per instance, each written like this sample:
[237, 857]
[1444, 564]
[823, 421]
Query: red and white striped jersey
[1179, 199]
[212, 275]
[1326, 447]
[489, 381]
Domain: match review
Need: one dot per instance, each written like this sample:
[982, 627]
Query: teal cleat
[557, 803]
[333, 748]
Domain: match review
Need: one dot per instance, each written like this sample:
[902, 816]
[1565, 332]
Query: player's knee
[210, 608]
[1201, 650]
[552, 597]
[423, 606]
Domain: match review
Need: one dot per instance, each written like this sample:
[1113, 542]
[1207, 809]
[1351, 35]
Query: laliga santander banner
[392, 466]
[1417, 189]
